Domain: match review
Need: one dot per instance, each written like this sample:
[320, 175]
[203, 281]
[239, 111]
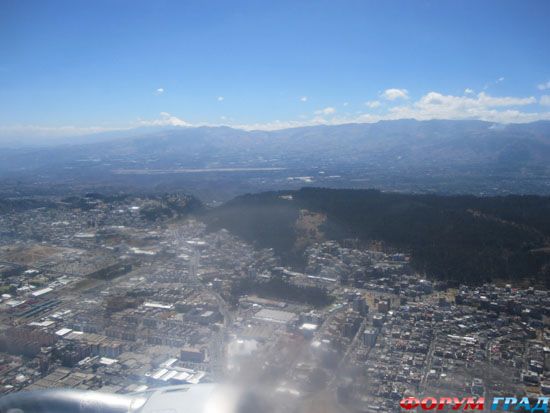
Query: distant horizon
[147, 129]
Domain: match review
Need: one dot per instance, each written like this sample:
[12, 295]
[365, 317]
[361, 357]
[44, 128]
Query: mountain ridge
[406, 155]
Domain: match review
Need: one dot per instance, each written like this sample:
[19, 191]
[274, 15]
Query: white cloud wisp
[394, 94]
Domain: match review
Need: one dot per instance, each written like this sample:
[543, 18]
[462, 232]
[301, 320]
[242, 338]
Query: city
[97, 296]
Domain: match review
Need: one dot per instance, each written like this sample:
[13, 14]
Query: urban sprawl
[102, 298]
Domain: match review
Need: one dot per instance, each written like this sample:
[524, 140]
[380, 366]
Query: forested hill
[462, 238]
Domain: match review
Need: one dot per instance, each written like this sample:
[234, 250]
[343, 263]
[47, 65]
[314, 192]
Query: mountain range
[402, 155]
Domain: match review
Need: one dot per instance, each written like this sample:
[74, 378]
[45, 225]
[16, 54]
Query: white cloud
[373, 104]
[41, 131]
[545, 100]
[544, 86]
[165, 119]
[159, 91]
[220, 98]
[326, 111]
[345, 103]
[279, 124]
[393, 94]
[303, 99]
[434, 105]
[487, 100]
[435, 99]
[468, 91]
[500, 79]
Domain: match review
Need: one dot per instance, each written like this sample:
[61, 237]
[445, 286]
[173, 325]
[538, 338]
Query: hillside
[461, 238]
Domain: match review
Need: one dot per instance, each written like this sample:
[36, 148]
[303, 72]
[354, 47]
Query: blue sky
[69, 67]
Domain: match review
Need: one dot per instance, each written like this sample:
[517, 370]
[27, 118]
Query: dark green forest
[460, 238]
[276, 288]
